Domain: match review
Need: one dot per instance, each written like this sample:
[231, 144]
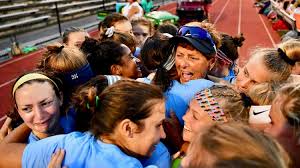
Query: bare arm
[11, 150]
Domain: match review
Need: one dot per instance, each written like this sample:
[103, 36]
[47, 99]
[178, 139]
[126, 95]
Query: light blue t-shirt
[179, 96]
[82, 150]
[160, 157]
[67, 122]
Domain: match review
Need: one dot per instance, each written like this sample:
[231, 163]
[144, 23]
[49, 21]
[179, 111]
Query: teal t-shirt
[147, 6]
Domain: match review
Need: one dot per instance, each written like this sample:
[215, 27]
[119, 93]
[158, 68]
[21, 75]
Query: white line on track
[20, 58]
[240, 18]
[8, 82]
[268, 32]
[222, 11]
[214, 2]
[3, 118]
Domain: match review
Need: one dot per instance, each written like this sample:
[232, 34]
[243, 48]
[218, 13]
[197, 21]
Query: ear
[211, 63]
[128, 128]
[116, 69]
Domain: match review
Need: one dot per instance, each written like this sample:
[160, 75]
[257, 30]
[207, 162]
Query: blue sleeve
[38, 154]
[160, 157]
[180, 95]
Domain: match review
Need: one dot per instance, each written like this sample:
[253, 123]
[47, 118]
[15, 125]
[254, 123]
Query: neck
[41, 135]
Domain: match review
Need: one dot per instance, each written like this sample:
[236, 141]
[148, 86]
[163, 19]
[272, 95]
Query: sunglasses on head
[196, 33]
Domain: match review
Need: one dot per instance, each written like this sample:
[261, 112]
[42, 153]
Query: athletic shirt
[179, 96]
[128, 7]
[160, 157]
[82, 150]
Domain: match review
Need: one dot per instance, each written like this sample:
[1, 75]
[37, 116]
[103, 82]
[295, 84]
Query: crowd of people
[139, 96]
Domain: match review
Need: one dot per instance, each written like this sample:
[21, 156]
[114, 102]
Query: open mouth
[186, 128]
[186, 76]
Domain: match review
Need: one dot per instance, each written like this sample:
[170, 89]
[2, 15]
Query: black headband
[283, 55]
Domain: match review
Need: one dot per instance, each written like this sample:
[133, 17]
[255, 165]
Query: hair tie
[97, 99]
[283, 55]
[110, 31]
[60, 48]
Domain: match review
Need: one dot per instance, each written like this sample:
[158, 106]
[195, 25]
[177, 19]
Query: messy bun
[84, 101]
[238, 40]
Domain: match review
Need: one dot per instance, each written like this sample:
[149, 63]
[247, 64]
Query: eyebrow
[246, 70]
[43, 101]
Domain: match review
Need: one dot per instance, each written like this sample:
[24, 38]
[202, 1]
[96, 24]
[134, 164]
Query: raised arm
[11, 148]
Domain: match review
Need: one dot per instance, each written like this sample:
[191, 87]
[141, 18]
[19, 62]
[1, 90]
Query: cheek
[27, 117]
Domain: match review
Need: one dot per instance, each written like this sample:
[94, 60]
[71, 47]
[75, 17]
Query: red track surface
[229, 16]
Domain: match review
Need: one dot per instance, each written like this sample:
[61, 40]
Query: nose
[245, 83]
[184, 63]
[39, 113]
[162, 133]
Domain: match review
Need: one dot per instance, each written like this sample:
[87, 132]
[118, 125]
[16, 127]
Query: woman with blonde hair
[285, 120]
[269, 64]
[67, 63]
[234, 145]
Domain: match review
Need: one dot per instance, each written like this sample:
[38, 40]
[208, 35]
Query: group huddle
[139, 96]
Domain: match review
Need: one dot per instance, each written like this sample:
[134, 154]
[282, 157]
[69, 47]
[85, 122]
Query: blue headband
[79, 76]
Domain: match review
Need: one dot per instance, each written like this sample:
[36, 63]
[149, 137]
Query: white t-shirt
[128, 7]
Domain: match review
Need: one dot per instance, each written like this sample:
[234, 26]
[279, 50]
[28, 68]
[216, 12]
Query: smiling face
[195, 120]
[146, 140]
[129, 66]
[38, 106]
[190, 64]
[254, 72]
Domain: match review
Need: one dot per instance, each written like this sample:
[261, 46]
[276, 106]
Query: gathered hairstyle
[264, 93]
[125, 99]
[109, 21]
[123, 38]
[230, 45]
[156, 49]
[61, 59]
[84, 98]
[234, 104]
[102, 55]
[236, 145]
[274, 61]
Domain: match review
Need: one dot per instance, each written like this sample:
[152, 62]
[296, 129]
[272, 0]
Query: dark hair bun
[238, 40]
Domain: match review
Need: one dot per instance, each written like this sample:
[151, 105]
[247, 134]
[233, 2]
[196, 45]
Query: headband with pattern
[207, 101]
